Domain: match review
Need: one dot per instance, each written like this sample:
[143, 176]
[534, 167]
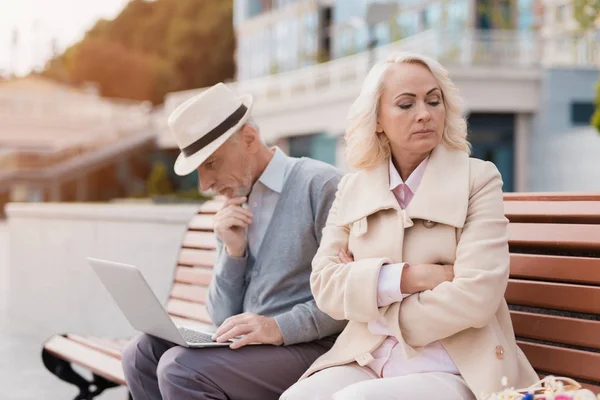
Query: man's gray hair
[250, 121]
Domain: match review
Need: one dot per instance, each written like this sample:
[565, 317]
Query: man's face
[228, 171]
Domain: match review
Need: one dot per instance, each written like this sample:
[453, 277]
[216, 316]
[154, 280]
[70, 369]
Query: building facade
[526, 76]
[282, 35]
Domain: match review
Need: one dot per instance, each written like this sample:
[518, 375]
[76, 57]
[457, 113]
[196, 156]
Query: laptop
[141, 307]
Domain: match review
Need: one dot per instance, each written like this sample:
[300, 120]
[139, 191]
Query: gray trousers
[156, 369]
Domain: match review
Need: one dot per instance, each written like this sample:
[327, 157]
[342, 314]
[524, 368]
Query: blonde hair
[365, 148]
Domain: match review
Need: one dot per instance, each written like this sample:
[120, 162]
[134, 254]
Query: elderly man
[267, 234]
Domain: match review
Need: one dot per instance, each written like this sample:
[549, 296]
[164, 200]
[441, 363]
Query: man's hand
[230, 225]
[252, 327]
[415, 278]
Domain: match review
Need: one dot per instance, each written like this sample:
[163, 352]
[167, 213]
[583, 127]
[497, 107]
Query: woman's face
[411, 109]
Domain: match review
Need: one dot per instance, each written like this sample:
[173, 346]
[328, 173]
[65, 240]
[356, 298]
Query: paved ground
[22, 374]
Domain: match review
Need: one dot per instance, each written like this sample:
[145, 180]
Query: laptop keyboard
[192, 336]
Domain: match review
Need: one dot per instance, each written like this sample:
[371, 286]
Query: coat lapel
[366, 192]
[442, 196]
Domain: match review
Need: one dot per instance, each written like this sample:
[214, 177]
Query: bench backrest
[193, 272]
[554, 287]
[553, 293]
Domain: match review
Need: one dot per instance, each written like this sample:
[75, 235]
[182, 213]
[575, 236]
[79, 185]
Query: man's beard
[243, 189]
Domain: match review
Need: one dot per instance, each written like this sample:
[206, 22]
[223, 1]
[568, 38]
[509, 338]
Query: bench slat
[107, 347]
[212, 206]
[563, 236]
[551, 196]
[202, 222]
[582, 212]
[555, 268]
[200, 240]
[98, 362]
[551, 328]
[193, 293]
[186, 309]
[555, 296]
[573, 363]
[594, 388]
[193, 257]
[193, 275]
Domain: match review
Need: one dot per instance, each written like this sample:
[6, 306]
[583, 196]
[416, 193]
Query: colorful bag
[549, 388]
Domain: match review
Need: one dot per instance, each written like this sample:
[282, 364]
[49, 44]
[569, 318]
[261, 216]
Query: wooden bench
[554, 292]
[554, 287]
[102, 356]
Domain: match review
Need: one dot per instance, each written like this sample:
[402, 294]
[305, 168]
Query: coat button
[499, 352]
[429, 224]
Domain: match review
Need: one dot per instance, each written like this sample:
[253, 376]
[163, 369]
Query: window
[457, 12]
[256, 7]
[581, 113]
[307, 39]
[408, 22]
[563, 14]
[526, 15]
[300, 146]
[320, 147]
[423, 19]
[433, 17]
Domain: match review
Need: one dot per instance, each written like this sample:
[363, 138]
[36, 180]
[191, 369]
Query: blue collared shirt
[264, 196]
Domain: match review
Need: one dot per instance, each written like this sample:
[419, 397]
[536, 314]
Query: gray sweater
[276, 282]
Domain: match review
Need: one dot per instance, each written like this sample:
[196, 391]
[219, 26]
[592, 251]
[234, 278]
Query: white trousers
[353, 382]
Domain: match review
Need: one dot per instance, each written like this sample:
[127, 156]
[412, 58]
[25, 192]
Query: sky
[40, 23]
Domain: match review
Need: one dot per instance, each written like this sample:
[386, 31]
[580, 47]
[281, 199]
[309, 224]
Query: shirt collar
[413, 181]
[273, 176]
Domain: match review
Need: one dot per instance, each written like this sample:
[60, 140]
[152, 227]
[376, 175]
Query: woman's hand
[420, 277]
[346, 256]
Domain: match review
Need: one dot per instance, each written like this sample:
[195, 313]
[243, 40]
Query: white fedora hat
[204, 122]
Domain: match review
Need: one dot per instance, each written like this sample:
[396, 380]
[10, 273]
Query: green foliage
[167, 45]
[586, 13]
[497, 13]
[130, 73]
[396, 31]
[158, 181]
[596, 116]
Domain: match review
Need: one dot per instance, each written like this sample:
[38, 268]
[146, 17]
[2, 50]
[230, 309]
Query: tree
[158, 181]
[596, 115]
[496, 14]
[587, 15]
[119, 72]
[177, 44]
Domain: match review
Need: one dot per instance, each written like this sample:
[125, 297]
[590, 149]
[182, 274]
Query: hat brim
[186, 165]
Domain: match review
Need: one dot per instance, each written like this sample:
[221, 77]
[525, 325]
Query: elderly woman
[416, 204]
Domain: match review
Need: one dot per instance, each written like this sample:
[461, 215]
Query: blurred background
[86, 157]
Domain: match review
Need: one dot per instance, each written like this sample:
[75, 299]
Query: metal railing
[455, 49]
[74, 109]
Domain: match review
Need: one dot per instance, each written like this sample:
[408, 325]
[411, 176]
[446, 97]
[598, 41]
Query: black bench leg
[63, 370]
